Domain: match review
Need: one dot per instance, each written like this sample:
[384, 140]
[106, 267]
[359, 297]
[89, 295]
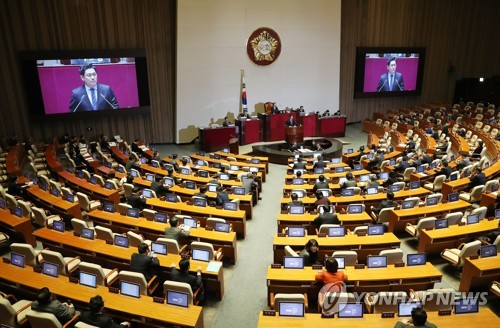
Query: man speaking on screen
[392, 80]
[92, 95]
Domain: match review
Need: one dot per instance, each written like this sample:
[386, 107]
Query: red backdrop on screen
[375, 67]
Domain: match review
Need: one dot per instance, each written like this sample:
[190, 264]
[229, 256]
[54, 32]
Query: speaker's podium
[250, 130]
[294, 134]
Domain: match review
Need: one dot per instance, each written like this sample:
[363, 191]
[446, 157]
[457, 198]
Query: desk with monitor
[57, 205]
[16, 227]
[142, 311]
[93, 191]
[350, 221]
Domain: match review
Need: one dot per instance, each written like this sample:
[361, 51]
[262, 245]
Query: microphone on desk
[107, 101]
[81, 99]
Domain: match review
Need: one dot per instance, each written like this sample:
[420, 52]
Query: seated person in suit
[418, 319]
[161, 189]
[244, 114]
[320, 164]
[214, 180]
[326, 113]
[176, 233]
[476, 154]
[144, 262]
[441, 149]
[156, 157]
[321, 184]
[477, 178]
[131, 163]
[295, 200]
[299, 164]
[95, 316]
[401, 167]
[416, 161]
[171, 175]
[490, 212]
[373, 182]
[182, 275]
[331, 274]
[393, 178]
[389, 202]
[321, 200]
[464, 162]
[376, 161]
[222, 196]
[112, 176]
[274, 108]
[202, 193]
[137, 200]
[174, 163]
[44, 303]
[445, 169]
[326, 217]
[226, 122]
[291, 122]
[350, 181]
[14, 188]
[310, 252]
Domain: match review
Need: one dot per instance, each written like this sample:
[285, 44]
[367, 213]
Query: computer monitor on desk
[159, 248]
[405, 308]
[488, 251]
[336, 232]
[297, 181]
[88, 279]
[177, 298]
[377, 261]
[350, 310]
[292, 262]
[201, 255]
[416, 259]
[291, 309]
[160, 217]
[130, 289]
[50, 269]
[466, 305]
[296, 231]
[297, 209]
[17, 260]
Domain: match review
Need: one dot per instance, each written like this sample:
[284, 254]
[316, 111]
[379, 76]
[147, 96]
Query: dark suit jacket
[397, 85]
[177, 234]
[349, 183]
[291, 123]
[159, 188]
[301, 165]
[98, 319]
[446, 171]
[80, 101]
[222, 197]
[136, 201]
[477, 180]
[319, 165]
[63, 313]
[321, 185]
[143, 264]
[326, 218]
[177, 275]
[385, 204]
[402, 167]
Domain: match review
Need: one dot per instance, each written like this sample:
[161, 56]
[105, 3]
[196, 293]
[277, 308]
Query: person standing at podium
[291, 122]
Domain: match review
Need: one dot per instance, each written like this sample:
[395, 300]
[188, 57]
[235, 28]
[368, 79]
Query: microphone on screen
[108, 101]
[81, 99]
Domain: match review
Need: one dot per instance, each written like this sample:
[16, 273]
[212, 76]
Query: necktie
[94, 98]
[391, 79]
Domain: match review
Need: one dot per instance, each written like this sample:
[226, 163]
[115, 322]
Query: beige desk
[143, 309]
[479, 273]
[153, 230]
[93, 191]
[350, 221]
[57, 205]
[111, 256]
[12, 224]
[435, 241]
[363, 245]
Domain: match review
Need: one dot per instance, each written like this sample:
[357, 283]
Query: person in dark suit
[295, 200]
[274, 109]
[244, 114]
[464, 162]
[320, 164]
[325, 218]
[445, 169]
[376, 161]
[389, 202]
[182, 275]
[95, 316]
[226, 122]
[476, 154]
[299, 164]
[44, 303]
[174, 163]
[176, 233]
[91, 95]
[131, 163]
[478, 178]
[291, 122]
[137, 200]
[373, 182]
[350, 181]
[392, 80]
[402, 166]
[144, 262]
[321, 184]
[321, 200]
[202, 193]
[161, 189]
[393, 178]
[418, 319]
[222, 196]
[426, 159]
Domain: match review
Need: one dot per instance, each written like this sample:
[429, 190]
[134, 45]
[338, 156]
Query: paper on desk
[214, 266]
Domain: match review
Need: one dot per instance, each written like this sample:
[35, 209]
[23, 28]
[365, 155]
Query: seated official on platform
[392, 80]
[226, 122]
[44, 303]
[274, 108]
[244, 114]
[291, 122]
[182, 275]
[92, 95]
[418, 319]
[95, 316]
[310, 252]
[173, 232]
[144, 261]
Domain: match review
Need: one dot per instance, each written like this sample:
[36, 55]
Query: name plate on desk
[185, 256]
[327, 316]
[269, 313]
[399, 265]
[320, 235]
[113, 290]
[207, 228]
[359, 266]
[317, 267]
[160, 300]
[109, 242]
[73, 280]
[280, 234]
[37, 269]
[5, 260]
[361, 234]
[276, 266]
[76, 234]
[444, 312]
[387, 314]
[474, 257]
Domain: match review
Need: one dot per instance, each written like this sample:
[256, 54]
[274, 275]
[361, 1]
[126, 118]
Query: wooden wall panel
[457, 33]
[28, 25]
